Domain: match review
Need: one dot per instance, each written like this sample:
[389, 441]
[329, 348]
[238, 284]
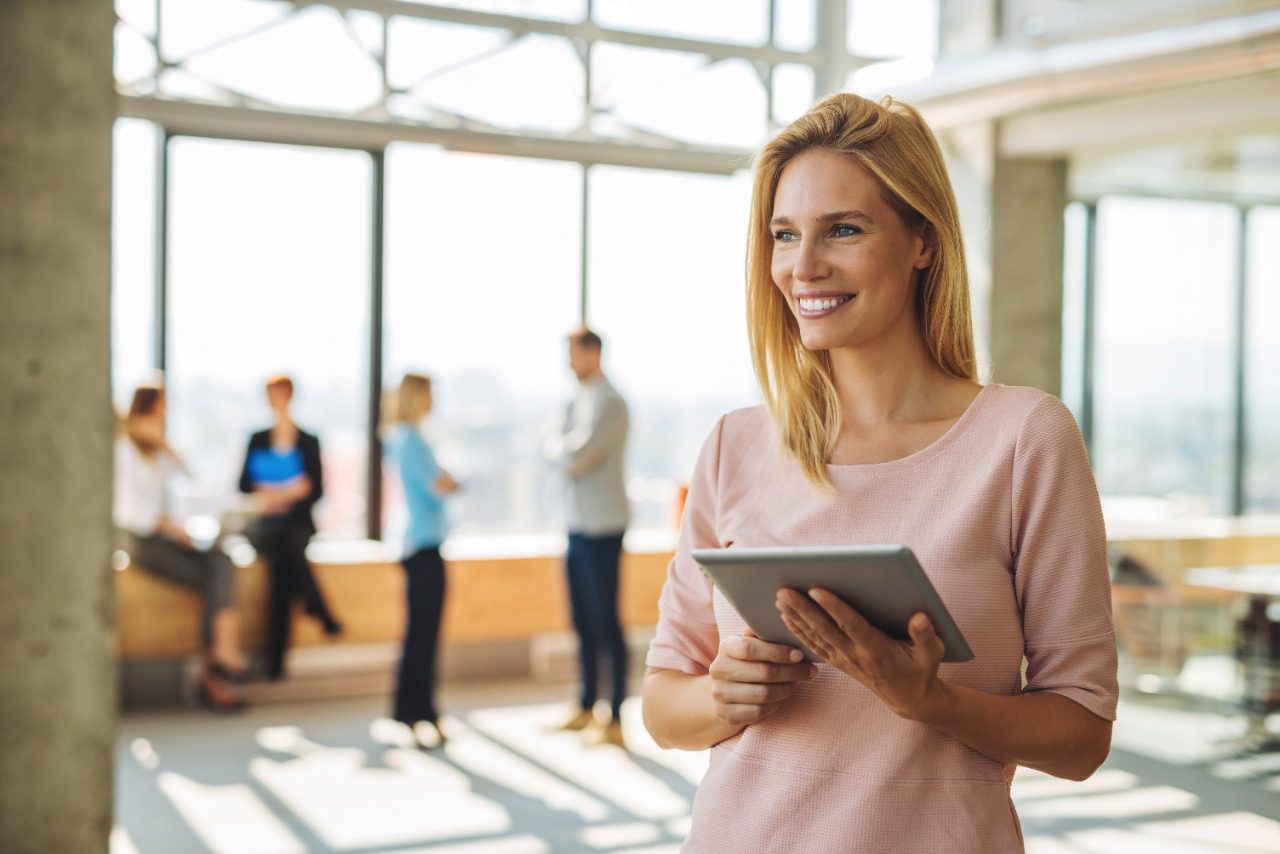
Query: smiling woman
[874, 430]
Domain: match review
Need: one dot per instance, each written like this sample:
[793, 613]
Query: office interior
[451, 187]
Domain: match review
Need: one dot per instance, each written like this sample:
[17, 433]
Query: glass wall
[1262, 362]
[269, 266]
[1164, 340]
[666, 292]
[269, 246]
[133, 256]
[483, 284]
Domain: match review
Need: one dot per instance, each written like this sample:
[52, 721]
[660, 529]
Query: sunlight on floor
[508, 782]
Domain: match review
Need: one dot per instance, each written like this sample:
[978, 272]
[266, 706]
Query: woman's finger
[748, 647]
[924, 637]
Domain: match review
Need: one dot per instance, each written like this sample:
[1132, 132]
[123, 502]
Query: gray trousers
[210, 574]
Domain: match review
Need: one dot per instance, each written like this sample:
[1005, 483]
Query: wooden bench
[487, 600]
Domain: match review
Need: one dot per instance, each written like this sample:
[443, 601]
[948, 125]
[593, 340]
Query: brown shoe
[583, 719]
[218, 696]
[611, 733]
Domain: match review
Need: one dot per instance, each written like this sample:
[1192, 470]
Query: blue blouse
[418, 470]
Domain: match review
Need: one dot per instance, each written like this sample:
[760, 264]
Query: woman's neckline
[928, 450]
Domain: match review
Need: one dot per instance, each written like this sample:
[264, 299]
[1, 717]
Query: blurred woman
[282, 471]
[425, 484]
[158, 544]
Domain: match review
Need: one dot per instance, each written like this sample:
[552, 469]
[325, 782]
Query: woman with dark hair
[157, 543]
[875, 429]
[282, 471]
[425, 484]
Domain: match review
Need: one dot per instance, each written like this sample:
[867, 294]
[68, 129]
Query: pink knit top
[1003, 513]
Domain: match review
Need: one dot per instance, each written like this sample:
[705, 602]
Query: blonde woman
[874, 429]
[159, 544]
[424, 484]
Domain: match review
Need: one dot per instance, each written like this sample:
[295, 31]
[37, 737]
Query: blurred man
[587, 447]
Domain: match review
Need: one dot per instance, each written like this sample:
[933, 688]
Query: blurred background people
[424, 484]
[159, 544]
[282, 471]
[587, 446]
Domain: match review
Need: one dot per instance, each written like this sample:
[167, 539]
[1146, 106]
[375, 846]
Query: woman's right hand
[751, 677]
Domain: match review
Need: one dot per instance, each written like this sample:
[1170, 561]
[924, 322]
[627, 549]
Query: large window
[1262, 360]
[483, 285]
[1163, 376]
[270, 247]
[133, 246]
[269, 264]
[666, 292]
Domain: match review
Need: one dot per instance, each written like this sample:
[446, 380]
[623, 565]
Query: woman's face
[153, 422]
[842, 256]
[278, 398]
[424, 403]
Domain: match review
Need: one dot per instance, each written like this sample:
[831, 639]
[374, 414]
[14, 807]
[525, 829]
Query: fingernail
[796, 655]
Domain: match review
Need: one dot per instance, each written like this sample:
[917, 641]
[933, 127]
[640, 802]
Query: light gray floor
[327, 776]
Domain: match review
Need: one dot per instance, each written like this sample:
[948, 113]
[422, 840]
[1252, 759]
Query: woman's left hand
[904, 674]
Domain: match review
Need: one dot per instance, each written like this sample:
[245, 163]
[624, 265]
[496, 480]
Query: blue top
[418, 470]
[270, 467]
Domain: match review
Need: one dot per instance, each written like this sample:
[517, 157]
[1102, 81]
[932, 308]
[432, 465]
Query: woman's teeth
[823, 303]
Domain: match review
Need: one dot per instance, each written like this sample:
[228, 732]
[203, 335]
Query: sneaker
[428, 735]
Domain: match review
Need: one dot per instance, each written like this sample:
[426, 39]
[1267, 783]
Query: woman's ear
[928, 247]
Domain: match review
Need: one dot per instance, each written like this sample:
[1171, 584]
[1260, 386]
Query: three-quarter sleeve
[1060, 563]
[687, 638]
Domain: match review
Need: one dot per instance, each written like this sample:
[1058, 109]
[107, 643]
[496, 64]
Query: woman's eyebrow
[834, 216]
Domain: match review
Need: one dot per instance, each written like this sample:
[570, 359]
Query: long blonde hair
[891, 141]
[404, 405]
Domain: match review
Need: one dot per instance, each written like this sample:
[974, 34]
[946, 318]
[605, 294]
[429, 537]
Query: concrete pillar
[1027, 201]
[832, 24]
[57, 679]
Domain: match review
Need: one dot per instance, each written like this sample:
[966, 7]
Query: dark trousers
[208, 573]
[592, 566]
[416, 682]
[283, 544]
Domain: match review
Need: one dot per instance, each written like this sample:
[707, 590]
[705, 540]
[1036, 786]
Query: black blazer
[309, 446]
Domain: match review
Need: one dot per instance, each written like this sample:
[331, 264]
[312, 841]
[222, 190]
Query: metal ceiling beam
[259, 125]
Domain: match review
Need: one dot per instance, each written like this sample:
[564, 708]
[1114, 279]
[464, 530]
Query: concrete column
[57, 679]
[832, 24]
[1027, 200]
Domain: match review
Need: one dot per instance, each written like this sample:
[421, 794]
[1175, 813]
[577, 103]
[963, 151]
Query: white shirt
[140, 488]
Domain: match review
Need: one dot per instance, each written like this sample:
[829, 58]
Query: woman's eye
[784, 236]
[846, 230]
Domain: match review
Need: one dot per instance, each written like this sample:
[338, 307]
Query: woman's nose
[809, 264]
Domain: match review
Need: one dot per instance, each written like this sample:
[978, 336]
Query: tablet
[884, 584]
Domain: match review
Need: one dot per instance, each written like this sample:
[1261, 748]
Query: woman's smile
[812, 306]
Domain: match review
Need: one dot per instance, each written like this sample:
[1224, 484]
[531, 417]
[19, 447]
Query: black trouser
[209, 573]
[593, 599]
[416, 682]
[283, 544]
